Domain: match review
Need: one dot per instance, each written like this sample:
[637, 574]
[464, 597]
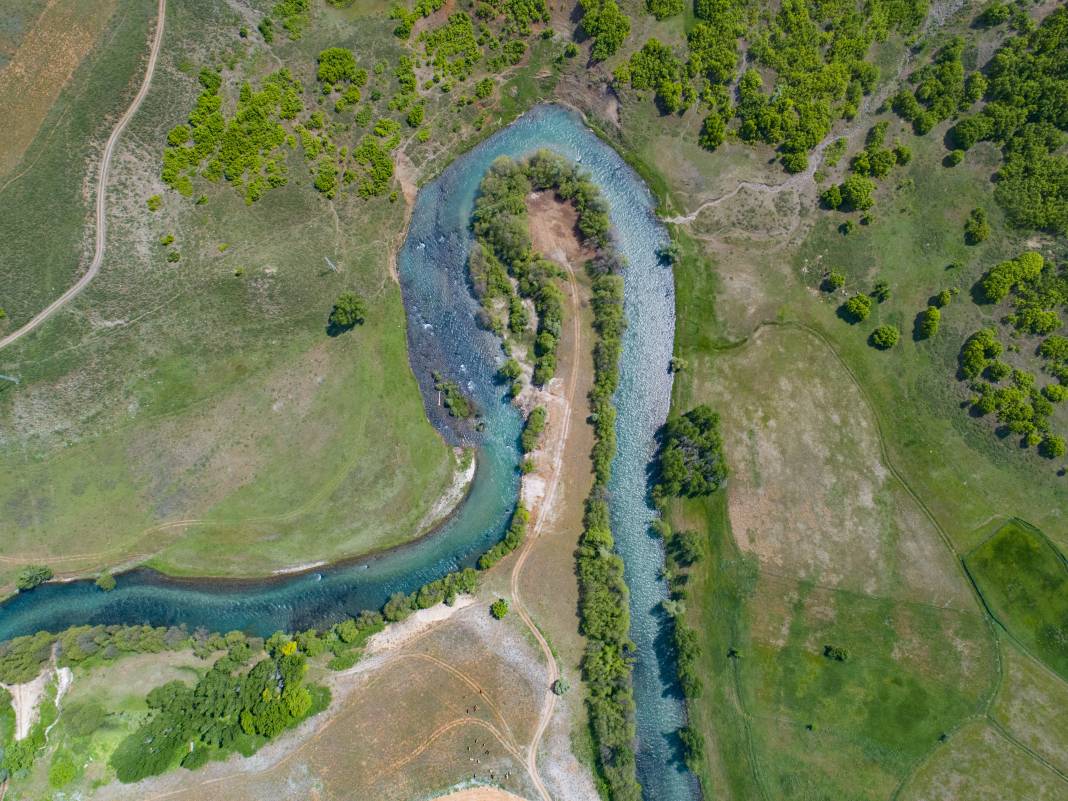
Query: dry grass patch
[38, 70]
[809, 492]
[980, 765]
[1033, 704]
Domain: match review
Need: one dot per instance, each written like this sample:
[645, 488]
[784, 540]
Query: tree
[976, 229]
[881, 291]
[691, 455]
[713, 132]
[1052, 446]
[106, 582]
[885, 337]
[834, 281]
[857, 193]
[929, 322]
[857, 308]
[349, 310]
[499, 608]
[32, 576]
[336, 65]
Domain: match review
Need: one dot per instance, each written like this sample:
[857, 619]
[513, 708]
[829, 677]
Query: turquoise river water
[442, 335]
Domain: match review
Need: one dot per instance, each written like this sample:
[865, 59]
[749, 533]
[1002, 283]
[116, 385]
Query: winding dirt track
[101, 194]
[546, 504]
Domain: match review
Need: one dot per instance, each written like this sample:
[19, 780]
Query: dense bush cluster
[1024, 88]
[691, 459]
[229, 709]
[452, 49]
[32, 576]
[533, 428]
[941, 92]
[812, 54]
[443, 590]
[606, 25]
[1000, 280]
[452, 396]
[294, 14]
[656, 67]
[504, 248]
[817, 53]
[406, 18]
[244, 149]
[1036, 289]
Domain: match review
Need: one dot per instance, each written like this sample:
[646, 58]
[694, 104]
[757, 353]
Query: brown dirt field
[452, 706]
[45, 60]
[552, 229]
[480, 794]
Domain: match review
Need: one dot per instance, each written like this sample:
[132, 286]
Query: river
[442, 336]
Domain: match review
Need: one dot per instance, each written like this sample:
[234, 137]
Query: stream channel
[442, 335]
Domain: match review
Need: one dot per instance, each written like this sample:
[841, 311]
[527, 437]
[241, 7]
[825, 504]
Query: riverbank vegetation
[504, 254]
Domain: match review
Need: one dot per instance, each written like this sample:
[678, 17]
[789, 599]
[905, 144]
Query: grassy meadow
[859, 480]
[196, 413]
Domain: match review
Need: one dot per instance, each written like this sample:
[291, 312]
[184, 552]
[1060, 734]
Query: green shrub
[976, 228]
[336, 65]
[349, 310]
[499, 608]
[32, 576]
[885, 337]
[1001, 279]
[106, 582]
[61, 772]
[606, 24]
[533, 428]
[834, 281]
[691, 459]
[929, 322]
[857, 308]
[1052, 446]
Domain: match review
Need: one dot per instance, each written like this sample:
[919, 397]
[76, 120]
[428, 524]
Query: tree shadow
[335, 330]
[844, 314]
[917, 327]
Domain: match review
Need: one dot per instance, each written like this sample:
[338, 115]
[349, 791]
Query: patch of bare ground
[480, 794]
[449, 704]
[809, 494]
[46, 58]
[26, 701]
[552, 229]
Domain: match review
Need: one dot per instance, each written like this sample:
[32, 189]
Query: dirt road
[542, 513]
